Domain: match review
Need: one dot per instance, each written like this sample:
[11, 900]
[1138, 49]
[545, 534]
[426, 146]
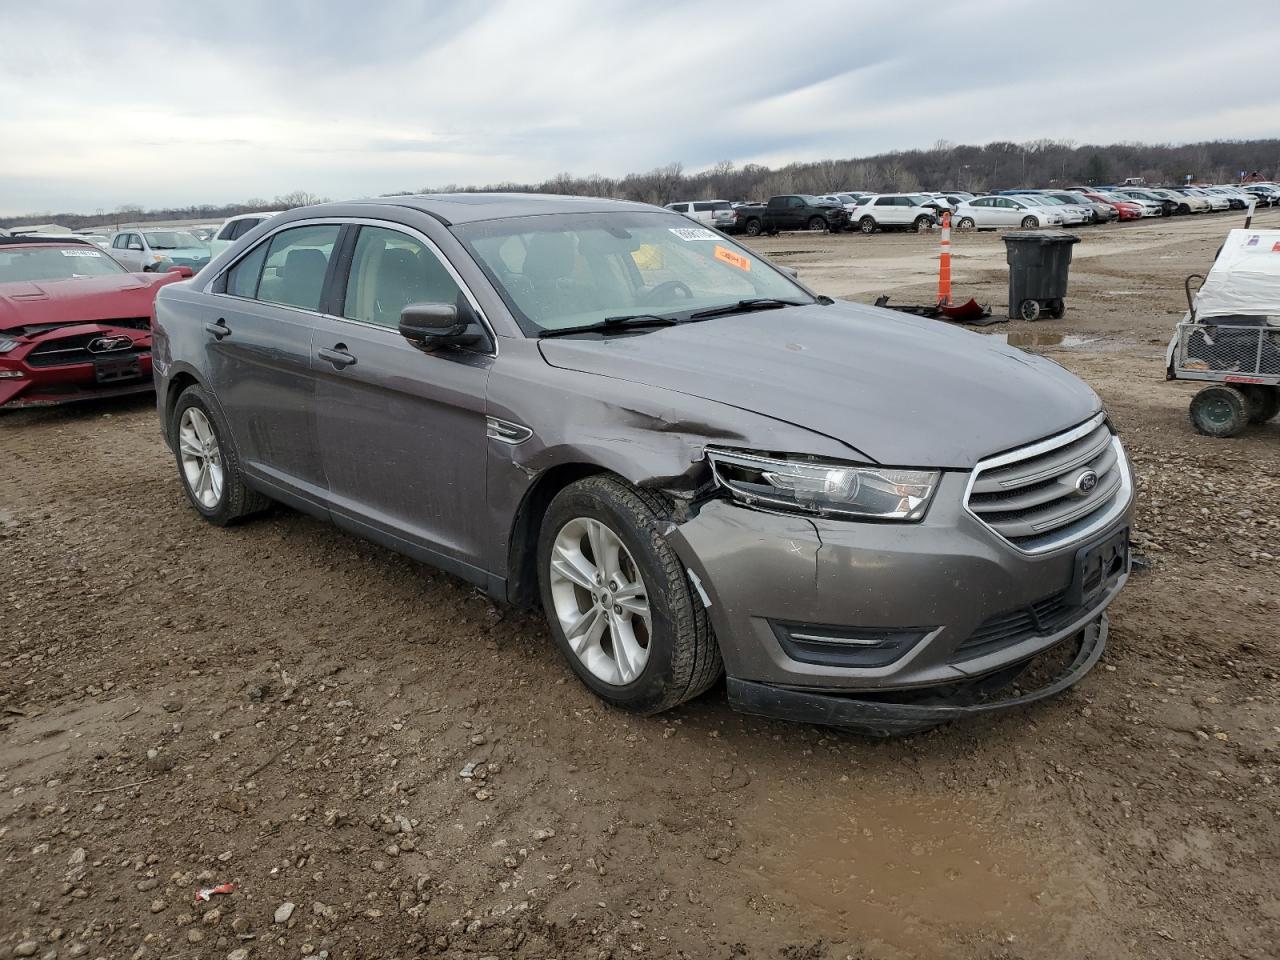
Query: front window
[171, 240]
[567, 270]
[389, 271]
[55, 263]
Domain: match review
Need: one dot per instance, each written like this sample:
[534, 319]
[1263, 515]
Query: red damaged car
[1127, 209]
[74, 324]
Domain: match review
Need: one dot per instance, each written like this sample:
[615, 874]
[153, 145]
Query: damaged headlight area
[807, 485]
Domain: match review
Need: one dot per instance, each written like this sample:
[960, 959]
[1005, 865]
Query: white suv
[714, 213]
[233, 228]
[887, 210]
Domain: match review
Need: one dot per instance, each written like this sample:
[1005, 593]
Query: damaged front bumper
[887, 716]
[818, 615]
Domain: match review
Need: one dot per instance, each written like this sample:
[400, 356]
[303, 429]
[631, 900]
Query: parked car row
[1025, 208]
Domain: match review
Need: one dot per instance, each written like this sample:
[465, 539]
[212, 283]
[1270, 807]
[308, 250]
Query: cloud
[218, 102]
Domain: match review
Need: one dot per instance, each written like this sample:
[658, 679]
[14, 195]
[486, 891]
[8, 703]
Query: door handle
[337, 355]
[218, 328]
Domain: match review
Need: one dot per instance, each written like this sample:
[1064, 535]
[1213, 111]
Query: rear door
[402, 433]
[259, 345]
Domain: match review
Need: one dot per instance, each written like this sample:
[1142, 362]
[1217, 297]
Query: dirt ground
[285, 708]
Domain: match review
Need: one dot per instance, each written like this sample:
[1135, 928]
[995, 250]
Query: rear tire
[1030, 223]
[966, 223]
[204, 450]
[1219, 411]
[867, 225]
[818, 224]
[1263, 402]
[681, 658]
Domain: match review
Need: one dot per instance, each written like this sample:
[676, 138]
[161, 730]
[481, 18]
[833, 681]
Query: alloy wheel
[600, 601]
[201, 457]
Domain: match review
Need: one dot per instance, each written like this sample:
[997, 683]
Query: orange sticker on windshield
[725, 255]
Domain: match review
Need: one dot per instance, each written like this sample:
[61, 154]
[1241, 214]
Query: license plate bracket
[116, 369]
[1098, 566]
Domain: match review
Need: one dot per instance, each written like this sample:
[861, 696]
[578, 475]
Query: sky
[104, 105]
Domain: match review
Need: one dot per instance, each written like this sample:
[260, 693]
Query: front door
[259, 345]
[402, 432]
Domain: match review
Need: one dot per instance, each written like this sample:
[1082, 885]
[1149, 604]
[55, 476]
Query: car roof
[454, 208]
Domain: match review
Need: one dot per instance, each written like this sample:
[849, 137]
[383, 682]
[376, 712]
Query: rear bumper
[887, 717]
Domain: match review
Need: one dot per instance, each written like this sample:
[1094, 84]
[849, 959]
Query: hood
[82, 299]
[896, 389]
[186, 253]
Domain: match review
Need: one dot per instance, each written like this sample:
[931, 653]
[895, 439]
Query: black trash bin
[1039, 261]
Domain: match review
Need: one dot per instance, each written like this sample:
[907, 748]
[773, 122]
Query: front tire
[966, 223]
[208, 464]
[818, 224]
[617, 600]
[1219, 411]
[1030, 223]
[921, 224]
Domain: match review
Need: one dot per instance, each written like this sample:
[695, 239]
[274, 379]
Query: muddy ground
[282, 707]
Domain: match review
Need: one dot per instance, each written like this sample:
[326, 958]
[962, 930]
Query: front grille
[1039, 497]
[1040, 619]
[64, 350]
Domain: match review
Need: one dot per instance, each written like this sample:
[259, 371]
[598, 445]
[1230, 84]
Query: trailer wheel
[1219, 411]
[1029, 310]
[1264, 402]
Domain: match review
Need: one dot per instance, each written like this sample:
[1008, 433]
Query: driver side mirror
[433, 326]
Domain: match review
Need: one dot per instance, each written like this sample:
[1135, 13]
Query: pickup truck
[793, 211]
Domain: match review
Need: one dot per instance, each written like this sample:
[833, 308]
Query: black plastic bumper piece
[884, 718]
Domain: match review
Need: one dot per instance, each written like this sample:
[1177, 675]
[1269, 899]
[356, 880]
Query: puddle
[905, 871]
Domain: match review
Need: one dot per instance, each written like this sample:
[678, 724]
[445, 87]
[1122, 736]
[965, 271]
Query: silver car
[696, 465]
[144, 250]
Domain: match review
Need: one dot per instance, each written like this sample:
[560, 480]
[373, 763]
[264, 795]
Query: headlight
[825, 489]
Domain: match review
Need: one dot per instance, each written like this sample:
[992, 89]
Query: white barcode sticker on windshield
[81, 253]
[692, 233]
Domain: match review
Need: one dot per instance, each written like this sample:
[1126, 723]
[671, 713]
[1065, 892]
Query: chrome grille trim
[1028, 497]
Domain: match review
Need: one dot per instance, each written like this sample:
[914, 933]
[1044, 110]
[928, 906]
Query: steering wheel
[661, 292]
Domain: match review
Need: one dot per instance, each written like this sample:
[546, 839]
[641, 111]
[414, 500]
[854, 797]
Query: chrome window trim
[409, 231]
[1104, 518]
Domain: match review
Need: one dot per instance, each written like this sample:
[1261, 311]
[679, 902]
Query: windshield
[567, 270]
[171, 240]
[55, 263]
[1033, 201]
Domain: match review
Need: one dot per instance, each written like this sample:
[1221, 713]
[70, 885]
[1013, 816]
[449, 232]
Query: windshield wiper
[629, 321]
[745, 306]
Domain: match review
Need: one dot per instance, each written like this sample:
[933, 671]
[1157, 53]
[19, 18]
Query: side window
[242, 279]
[701, 207]
[391, 270]
[119, 242]
[795, 202]
[135, 242]
[296, 261]
[243, 226]
[884, 202]
[227, 230]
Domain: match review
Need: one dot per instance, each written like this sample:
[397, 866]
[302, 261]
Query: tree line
[943, 166]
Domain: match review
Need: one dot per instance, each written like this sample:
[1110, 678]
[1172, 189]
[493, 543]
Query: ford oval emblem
[1086, 483]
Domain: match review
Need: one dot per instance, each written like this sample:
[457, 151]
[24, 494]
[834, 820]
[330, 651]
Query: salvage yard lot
[288, 709]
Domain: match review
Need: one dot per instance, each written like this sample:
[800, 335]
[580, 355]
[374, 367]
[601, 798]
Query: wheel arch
[176, 384]
[522, 542]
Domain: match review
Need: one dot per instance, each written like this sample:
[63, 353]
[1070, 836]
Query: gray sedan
[697, 466]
